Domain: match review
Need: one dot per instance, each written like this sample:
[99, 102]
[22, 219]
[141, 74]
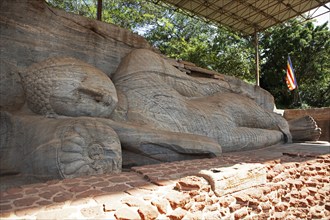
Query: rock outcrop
[81, 97]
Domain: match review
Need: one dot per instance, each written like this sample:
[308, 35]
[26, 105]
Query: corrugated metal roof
[247, 16]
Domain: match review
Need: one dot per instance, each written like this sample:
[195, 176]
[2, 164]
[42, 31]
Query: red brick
[55, 189]
[253, 203]
[240, 214]
[26, 201]
[10, 197]
[200, 198]
[177, 214]
[265, 206]
[147, 212]
[296, 183]
[265, 189]
[295, 194]
[278, 168]
[46, 195]
[308, 173]
[137, 183]
[70, 181]
[275, 186]
[316, 215]
[263, 199]
[79, 188]
[212, 215]
[5, 207]
[197, 206]
[61, 197]
[116, 188]
[5, 214]
[94, 212]
[242, 198]
[312, 190]
[327, 206]
[280, 207]
[302, 203]
[310, 183]
[279, 216]
[93, 180]
[44, 202]
[310, 200]
[118, 179]
[177, 199]
[226, 201]
[234, 207]
[255, 193]
[14, 190]
[126, 214]
[89, 193]
[191, 183]
[31, 191]
[133, 201]
[161, 204]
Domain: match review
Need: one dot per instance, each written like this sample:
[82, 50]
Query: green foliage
[175, 34]
[309, 50]
[182, 37]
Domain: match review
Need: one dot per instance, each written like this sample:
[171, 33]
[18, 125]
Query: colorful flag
[290, 78]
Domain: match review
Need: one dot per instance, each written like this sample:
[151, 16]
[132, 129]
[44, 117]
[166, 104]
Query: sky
[323, 18]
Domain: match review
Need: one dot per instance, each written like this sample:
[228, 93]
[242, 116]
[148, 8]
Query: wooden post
[256, 44]
[99, 10]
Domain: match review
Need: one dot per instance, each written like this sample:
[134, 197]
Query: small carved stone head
[70, 87]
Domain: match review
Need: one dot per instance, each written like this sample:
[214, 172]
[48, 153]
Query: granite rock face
[81, 97]
[70, 87]
[57, 148]
[31, 32]
[160, 96]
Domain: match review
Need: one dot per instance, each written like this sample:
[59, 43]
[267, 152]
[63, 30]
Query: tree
[309, 49]
[185, 37]
[176, 34]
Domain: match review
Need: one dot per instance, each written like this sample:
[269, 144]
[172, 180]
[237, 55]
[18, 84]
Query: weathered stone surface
[304, 129]
[191, 183]
[148, 212]
[177, 199]
[126, 214]
[161, 204]
[320, 115]
[151, 113]
[238, 177]
[133, 201]
[206, 107]
[177, 214]
[70, 87]
[58, 148]
[45, 32]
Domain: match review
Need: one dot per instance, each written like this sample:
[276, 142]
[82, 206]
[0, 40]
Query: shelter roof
[248, 16]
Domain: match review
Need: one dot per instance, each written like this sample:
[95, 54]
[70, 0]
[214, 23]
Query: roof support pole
[256, 44]
[99, 10]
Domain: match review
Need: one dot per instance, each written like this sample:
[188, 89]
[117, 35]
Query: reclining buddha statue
[77, 121]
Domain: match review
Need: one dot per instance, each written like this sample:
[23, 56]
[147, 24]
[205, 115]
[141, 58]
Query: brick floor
[298, 186]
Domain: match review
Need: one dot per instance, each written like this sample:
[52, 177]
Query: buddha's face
[70, 87]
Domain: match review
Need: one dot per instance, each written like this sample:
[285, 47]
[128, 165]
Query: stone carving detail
[70, 113]
[57, 148]
[67, 86]
[162, 115]
[162, 97]
[304, 129]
